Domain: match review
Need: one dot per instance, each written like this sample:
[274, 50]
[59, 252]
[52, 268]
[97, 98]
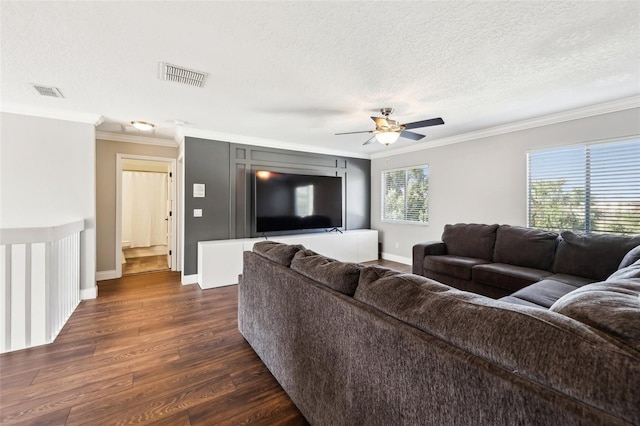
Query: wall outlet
[197, 212]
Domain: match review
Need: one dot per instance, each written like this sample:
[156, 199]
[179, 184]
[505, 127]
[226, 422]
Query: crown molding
[267, 143]
[144, 140]
[546, 120]
[56, 114]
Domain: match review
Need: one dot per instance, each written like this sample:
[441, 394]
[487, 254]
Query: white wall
[483, 180]
[47, 178]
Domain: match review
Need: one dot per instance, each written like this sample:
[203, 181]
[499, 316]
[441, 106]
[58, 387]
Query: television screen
[287, 202]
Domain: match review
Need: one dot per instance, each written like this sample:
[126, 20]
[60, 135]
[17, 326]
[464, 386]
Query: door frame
[173, 195]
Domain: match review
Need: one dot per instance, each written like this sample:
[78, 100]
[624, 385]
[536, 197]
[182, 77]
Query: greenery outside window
[590, 188]
[405, 195]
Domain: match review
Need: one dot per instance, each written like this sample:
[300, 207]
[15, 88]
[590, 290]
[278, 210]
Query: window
[591, 188]
[405, 195]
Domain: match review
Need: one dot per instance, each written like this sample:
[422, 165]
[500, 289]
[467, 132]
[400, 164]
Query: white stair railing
[39, 283]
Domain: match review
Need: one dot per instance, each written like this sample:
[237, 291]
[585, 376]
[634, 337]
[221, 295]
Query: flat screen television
[288, 202]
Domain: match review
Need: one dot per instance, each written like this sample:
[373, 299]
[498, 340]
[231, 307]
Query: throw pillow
[631, 271]
[630, 258]
[470, 240]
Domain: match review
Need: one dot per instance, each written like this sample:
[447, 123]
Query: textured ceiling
[298, 72]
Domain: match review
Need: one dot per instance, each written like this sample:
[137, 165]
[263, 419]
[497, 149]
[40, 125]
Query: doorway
[144, 218]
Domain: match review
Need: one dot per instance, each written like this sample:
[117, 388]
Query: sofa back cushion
[470, 240]
[340, 276]
[591, 256]
[531, 248]
[277, 252]
[612, 307]
[368, 274]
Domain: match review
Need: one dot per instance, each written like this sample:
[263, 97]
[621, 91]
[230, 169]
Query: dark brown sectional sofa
[521, 265]
[356, 345]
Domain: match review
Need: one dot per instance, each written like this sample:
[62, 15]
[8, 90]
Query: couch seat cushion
[592, 256]
[453, 266]
[531, 248]
[571, 279]
[521, 302]
[470, 240]
[277, 252]
[544, 293]
[505, 276]
[342, 277]
[612, 307]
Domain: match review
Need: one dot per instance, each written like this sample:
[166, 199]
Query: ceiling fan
[388, 131]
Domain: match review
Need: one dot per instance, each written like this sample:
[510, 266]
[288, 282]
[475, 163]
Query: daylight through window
[405, 195]
[591, 188]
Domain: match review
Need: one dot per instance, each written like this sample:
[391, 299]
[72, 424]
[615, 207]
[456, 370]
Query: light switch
[197, 212]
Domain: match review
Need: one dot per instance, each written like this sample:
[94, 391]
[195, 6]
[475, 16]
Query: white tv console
[220, 261]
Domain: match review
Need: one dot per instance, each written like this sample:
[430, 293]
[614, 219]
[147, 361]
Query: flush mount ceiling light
[143, 125]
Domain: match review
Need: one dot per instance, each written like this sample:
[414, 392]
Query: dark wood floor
[147, 350]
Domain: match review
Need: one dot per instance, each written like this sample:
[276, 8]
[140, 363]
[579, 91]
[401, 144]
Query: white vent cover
[182, 75]
[47, 90]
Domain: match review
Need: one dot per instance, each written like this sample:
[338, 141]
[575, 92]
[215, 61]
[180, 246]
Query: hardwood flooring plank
[45, 402]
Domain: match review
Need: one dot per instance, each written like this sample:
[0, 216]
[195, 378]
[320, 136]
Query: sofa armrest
[429, 248]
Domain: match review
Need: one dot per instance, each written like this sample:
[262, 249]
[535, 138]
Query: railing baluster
[41, 265]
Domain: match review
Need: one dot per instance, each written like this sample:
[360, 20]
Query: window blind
[405, 195]
[590, 188]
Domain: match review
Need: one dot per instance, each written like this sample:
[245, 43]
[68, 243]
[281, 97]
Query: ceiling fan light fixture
[388, 137]
[143, 125]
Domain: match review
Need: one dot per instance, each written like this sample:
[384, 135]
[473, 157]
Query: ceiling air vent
[48, 90]
[182, 75]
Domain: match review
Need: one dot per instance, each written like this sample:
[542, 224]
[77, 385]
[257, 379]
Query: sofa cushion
[630, 258]
[372, 273]
[340, 276]
[612, 307]
[521, 302]
[631, 271]
[509, 277]
[544, 293]
[470, 240]
[277, 252]
[453, 266]
[592, 256]
[571, 279]
[531, 248]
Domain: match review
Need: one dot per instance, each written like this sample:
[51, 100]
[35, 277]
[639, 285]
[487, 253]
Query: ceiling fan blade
[411, 135]
[353, 133]
[424, 123]
[381, 121]
[369, 140]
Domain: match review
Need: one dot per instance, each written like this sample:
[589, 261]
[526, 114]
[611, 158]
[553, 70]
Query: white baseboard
[399, 259]
[88, 293]
[190, 279]
[106, 275]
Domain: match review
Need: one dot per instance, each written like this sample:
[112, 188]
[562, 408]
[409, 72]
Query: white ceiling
[298, 72]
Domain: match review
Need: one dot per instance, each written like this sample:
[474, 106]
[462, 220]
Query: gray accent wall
[227, 171]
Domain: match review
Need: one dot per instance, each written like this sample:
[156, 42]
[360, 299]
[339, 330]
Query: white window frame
[618, 184]
[383, 196]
